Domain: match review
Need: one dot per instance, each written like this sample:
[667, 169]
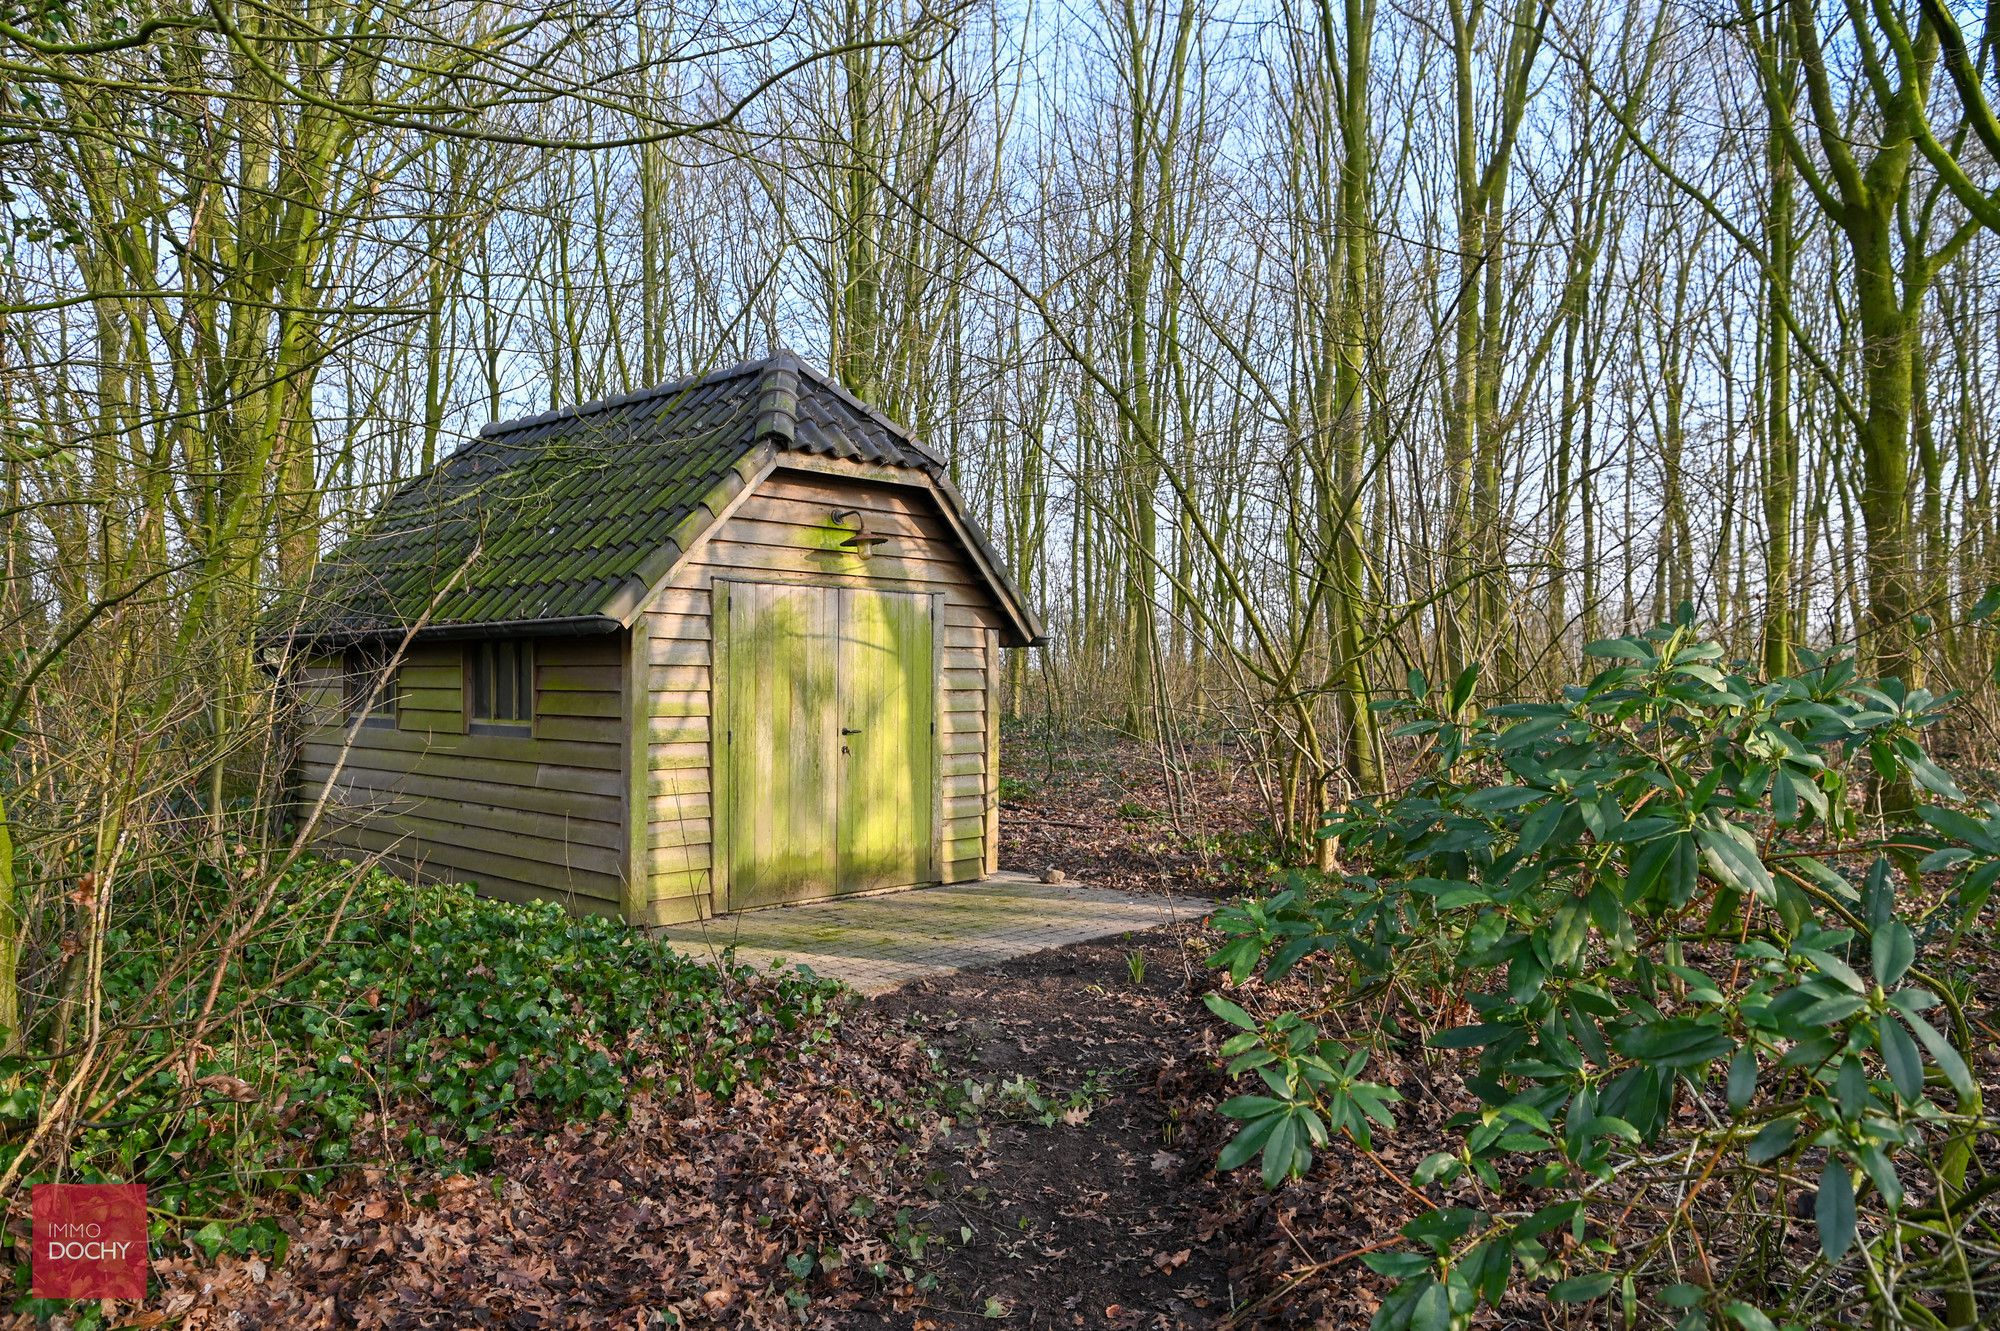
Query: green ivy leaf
[210, 1239]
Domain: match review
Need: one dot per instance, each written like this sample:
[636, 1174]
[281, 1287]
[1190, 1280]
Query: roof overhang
[1027, 625]
[569, 626]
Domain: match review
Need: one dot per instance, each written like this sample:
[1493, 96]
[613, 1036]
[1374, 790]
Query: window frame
[483, 664]
[359, 666]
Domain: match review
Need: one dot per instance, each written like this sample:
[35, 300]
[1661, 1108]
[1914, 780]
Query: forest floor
[1029, 1145]
[1081, 1193]
[1107, 812]
[1086, 1195]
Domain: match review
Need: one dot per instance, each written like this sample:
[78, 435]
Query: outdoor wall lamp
[860, 541]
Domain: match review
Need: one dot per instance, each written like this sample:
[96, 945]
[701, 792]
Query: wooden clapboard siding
[672, 788]
[430, 690]
[782, 531]
[523, 815]
[612, 802]
[964, 718]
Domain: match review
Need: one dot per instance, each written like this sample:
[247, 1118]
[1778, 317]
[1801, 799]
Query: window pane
[503, 682]
[364, 667]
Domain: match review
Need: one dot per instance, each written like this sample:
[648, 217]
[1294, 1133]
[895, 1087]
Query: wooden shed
[726, 643]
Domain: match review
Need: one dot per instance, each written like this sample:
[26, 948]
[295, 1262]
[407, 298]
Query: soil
[1095, 1203]
[1098, 1204]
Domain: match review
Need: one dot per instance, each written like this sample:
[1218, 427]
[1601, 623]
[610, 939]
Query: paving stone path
[881, 942]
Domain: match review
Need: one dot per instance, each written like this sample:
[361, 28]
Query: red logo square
[90, 1241]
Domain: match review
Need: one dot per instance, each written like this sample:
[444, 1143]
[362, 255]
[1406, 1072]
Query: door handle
[846, 731]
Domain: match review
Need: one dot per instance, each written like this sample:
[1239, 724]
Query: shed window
[503, 683]
[362, 668]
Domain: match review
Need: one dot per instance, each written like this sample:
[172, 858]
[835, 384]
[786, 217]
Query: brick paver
[878, 943]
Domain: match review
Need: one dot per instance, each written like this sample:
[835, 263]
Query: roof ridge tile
[497, 429]
[903, 433]
[777, 401]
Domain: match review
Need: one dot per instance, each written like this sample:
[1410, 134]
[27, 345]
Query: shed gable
[783, 530]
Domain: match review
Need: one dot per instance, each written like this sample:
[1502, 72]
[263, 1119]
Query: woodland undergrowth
[366, 1023]
[1710, 953]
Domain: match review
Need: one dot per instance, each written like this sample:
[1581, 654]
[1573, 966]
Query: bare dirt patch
[1097, 1204]
[1078, 1192]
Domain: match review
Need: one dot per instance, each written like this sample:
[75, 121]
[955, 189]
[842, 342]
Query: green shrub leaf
[1748, 1317]
[1678, 1042]
[1582, 1289]
[1833, 1210]
[1899, 1056]
[1229, 1011]
[1892, 952]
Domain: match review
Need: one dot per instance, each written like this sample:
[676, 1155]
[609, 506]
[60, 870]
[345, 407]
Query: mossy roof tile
[562, 517]
[549, 516]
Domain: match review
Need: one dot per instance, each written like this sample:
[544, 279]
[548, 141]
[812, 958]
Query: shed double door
[831, 745]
